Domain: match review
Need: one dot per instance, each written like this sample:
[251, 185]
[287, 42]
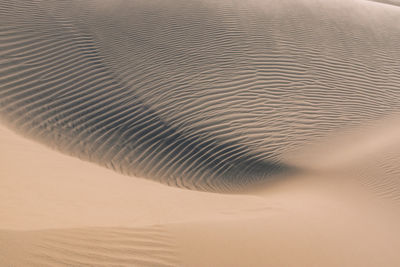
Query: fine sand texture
[200, 133]
[60, 211]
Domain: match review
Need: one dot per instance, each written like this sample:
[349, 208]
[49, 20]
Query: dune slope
[60, 211]
[207, 95]
[281, 116]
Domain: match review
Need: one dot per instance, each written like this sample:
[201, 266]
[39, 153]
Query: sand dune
[290, 106]
[207, 95]
[60, 211]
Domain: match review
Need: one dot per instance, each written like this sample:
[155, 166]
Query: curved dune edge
[58, 210]
[207, 95]
[388, 2]
[46, 189]
[213, 96]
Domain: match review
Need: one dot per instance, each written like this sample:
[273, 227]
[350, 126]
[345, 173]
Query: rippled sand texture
[89, 247]
[294, 104]
[207, 95]
[59, 211]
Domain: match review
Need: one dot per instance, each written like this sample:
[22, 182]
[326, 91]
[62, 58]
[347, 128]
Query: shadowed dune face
[389, 2]
[205, 95]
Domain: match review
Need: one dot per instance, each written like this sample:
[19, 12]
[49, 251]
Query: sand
[58, 210]
[199, 133]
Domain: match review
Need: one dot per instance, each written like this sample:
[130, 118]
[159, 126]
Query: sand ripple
[151, 246]
[206, 95]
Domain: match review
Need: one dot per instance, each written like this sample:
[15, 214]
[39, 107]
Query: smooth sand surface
[274, 123]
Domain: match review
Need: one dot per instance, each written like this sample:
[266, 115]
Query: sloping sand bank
[284, 113]
[58, 210]
[209, 95]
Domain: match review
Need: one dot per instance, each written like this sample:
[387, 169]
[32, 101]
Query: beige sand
[58, 210]
[295, 101]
